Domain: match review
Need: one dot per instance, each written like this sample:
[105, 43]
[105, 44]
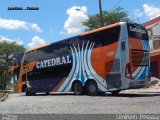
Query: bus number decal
[110, 53]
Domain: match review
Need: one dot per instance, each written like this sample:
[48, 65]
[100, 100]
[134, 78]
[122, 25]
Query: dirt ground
[1, 95]
[154, 85]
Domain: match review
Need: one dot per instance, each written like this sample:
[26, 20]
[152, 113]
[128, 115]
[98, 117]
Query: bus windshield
[137, 31]
[140, 57]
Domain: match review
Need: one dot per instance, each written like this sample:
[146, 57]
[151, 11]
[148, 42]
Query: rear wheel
[92, 88]
[78, 88]
[115, 92]
[101, 93]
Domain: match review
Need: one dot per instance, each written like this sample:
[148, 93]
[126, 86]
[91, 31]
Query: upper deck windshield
[137, 31]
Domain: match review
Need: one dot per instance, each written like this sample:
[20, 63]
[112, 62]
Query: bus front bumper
[135, 84]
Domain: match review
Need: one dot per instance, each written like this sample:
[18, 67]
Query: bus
[111, 58]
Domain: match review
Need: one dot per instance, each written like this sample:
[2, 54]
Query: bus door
[114, 80]
[123, 52]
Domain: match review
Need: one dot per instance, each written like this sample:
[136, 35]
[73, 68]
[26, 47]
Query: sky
[58, 19]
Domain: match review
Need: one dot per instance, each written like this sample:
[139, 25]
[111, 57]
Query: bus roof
[102, 28]
[37, 48]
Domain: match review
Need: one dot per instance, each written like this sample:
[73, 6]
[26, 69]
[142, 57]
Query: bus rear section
[137, 66]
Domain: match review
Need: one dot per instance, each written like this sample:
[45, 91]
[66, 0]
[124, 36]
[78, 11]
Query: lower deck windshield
[139, 58]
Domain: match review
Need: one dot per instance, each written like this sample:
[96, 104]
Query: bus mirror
[123, 45]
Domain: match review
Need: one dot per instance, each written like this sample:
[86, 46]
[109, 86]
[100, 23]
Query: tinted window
[19, 58]
[140, 57]
[48, 73]
[105, 37]
[51, 51]
[137, 31]
[30, 56]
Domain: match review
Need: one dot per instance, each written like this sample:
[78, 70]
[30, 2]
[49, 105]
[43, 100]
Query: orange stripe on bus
[57, 86]
[100, 59]
[100, 29]
[31, 66]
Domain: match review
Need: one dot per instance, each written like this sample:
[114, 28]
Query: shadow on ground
[130, 95]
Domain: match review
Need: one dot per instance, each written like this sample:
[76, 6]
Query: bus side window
[110, 35]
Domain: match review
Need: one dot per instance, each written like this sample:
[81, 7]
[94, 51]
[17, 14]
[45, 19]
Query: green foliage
[109, 17]
[8, 49]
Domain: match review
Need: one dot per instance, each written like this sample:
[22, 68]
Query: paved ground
[1, 94]
[124, 103]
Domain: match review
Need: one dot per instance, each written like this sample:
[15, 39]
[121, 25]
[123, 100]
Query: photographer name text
[23, 8]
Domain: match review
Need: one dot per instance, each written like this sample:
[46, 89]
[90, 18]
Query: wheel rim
[92, 88]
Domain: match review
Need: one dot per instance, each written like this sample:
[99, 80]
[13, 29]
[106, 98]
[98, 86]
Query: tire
[23, 88]
[26, 91]
[47, 93]
[92, 88]
[101, 93]
[78, 88]
[115, 92]
[33, 94]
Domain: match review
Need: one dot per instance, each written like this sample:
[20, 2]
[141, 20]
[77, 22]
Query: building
[155, 64]
[153, 27]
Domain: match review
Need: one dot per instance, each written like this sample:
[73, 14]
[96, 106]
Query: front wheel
[33, 93]
[92, 88]
[115, 92]
[26, 91]
[47, 93]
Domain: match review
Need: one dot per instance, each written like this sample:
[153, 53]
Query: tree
[109, 17]
[7, 50]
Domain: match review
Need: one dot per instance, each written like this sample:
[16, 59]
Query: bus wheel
[78, 88]
[47, 93]
[26, 91]
[115, 92]
[101, 93]
[92, 88]
[33, 93]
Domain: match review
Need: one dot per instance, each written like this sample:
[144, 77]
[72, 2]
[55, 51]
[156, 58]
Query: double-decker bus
[111, 58]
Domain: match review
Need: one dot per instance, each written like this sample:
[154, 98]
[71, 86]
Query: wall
[156, 58]
[156, 30]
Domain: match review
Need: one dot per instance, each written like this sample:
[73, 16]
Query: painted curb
[141, 91]
[2, 99]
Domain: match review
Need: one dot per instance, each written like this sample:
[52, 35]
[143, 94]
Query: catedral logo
[53, 62]
[139, 30]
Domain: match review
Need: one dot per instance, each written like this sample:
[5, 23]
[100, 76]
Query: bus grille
[113, 80]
